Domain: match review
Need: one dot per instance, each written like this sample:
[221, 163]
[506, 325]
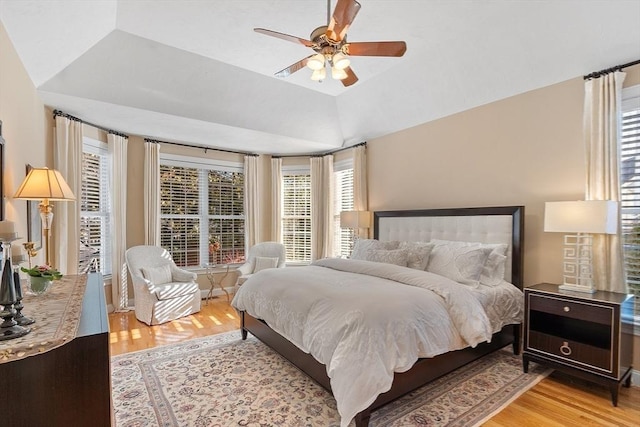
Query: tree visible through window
[199, 205]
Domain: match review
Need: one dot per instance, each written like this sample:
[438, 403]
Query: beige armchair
[261, 256]
[162, 291]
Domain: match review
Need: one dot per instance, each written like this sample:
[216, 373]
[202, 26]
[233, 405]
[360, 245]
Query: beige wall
[523, 150]
[27, 129]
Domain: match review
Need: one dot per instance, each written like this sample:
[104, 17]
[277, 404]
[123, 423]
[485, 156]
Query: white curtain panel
[151, 193]
[360, 198]
[321, 207]
[119, 290]
[276, 199]
[67, 159]
[602, 135]
[251, 201]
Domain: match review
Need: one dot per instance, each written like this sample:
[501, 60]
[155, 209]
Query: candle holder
[9, 328]
[20, 318]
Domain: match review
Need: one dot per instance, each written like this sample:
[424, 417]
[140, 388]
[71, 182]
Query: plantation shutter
[95, 242]
[630, 187]
[201, 202]
[343, 201]
[296, 215]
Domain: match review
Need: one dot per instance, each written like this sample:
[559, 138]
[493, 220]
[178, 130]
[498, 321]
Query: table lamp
[580, 220]
[46, 185]
[355, 220]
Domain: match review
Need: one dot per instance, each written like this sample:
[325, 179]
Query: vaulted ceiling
[196, 72]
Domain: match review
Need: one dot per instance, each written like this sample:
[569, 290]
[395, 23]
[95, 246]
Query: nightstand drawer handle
[565, 349]
[566, 309]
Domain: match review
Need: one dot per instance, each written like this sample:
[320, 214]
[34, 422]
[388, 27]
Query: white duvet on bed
[367, 320]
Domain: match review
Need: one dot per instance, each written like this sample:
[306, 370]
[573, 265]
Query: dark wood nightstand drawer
[571, 351]
[575, 310]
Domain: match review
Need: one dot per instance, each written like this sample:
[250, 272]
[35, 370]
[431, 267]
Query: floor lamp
[580, 220]
[46, 185]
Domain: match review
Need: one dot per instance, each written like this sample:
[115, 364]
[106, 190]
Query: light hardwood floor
[556, 401]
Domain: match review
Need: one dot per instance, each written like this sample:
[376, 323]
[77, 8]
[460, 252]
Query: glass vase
[39, 285]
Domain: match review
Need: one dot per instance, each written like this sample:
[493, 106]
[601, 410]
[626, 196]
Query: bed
[489, 225]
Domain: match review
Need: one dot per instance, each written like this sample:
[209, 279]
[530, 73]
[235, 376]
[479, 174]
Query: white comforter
[363, 322]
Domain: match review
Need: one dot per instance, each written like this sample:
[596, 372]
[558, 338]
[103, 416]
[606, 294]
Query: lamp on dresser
[579, 220]
[46, 185]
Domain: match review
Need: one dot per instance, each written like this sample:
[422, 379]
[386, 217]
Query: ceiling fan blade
[283, 36]
[343, 16]
[293, 68]
[395, 48]
[351, 77]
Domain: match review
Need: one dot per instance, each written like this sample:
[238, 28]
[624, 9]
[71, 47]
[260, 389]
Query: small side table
[212, 270]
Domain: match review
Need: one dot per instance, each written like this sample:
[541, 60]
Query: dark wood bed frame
[426, 369]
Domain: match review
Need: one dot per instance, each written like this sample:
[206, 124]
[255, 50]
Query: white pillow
[459, 261]
[417, 253]
[157, 275]
[262, 263]
[392, 256]
[493, 271]
[363, 245]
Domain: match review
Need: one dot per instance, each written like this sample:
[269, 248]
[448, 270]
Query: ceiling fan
[331, 46]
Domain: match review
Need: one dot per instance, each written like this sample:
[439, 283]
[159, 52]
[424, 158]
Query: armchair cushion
[157, 275]
[262, 263]
[175, 290]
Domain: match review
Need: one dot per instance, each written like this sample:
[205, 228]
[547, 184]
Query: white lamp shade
[318, 75]
[316, 62]
[584, 216]
[355, 219]
[341, 61]
[338, 74]
[44, 183]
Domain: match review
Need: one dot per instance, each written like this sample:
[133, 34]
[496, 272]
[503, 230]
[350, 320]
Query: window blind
[95, 210]
[343, 201]
[630, 189]
[296, 216]
[201, 204]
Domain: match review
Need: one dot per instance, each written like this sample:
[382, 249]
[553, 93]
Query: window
[95, 209]
[296, 214]
[630, 187]
[343, 201]
[202, 203]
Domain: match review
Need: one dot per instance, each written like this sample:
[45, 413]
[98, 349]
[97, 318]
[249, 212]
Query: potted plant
[41, 277]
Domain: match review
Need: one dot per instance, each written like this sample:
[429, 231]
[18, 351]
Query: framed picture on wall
[34, 224]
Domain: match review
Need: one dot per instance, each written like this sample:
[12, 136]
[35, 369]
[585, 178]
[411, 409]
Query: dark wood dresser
[69, 385]
[586, 335]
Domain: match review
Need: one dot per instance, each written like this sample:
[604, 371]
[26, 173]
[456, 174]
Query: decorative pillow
[417, 253]
[363, 245]
[493, 271]
[157, 275]
[392, 256]
[262, 263]
[459, 261]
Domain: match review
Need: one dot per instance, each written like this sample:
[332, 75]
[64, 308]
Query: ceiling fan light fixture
[338, 74]
[316, 62]
[319, 75]
[341, 61]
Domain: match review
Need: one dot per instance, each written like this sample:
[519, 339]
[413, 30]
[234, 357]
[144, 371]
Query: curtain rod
[201, 147]
[320, 154]
[597, 74]
[57, 113]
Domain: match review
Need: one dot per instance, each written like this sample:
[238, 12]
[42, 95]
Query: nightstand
[586, 335]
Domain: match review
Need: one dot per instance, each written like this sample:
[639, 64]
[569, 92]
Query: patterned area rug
[224, 381]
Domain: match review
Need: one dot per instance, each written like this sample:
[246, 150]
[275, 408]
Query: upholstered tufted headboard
[502, 224]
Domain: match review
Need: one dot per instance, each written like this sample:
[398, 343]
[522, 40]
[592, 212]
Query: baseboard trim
[635, 378]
